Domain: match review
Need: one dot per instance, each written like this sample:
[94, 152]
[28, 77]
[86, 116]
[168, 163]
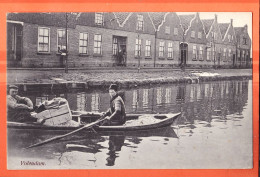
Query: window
[43, 40]
[161, 49]
[193, 34]
[208, 54]
[83, 43]
[97, 44]
[175, 31]
[201, 53]
[194, 52]
[115, 46]
[148, 48]
[138, 43]
[167, 30]
[99, 18]
[229, 38]
[214, 35]
[213, 53]
[170, 50]
[199, 35]
[243, 55]
[61, 39]
[229, 53]
[244, 41]
[224, 54]
[140, 23]
[238, 54]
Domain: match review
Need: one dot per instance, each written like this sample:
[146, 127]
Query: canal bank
[28, 79]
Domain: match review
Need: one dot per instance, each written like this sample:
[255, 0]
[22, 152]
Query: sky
[240, 19]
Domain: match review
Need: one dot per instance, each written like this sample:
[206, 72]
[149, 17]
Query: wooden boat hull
[165, 120]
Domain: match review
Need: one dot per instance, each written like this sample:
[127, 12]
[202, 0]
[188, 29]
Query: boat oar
[62, 136]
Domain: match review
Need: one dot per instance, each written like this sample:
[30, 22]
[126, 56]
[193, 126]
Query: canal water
[214, 131]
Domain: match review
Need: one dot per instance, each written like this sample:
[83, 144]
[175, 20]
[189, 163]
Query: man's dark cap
[113, 87]
[13, 87]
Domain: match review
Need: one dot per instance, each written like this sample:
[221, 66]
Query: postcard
[128, 89]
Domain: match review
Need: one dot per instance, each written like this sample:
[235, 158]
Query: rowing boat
[133, 123]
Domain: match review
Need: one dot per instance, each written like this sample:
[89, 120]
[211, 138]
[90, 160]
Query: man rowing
[116, 112]
[18, 108]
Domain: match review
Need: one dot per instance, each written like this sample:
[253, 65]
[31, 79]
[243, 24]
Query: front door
[234, 58]
[14, 44]
[119, 50]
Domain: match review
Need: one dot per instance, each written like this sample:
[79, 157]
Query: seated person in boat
[18, 108]
[116, 112]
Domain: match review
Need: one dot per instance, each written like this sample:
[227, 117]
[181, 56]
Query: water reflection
[206, 109]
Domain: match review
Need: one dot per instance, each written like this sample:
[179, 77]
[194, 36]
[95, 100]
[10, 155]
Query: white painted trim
[151, 21]
[226, 32]
[164, 19]
[191, 23]
[210, 29]
[18, 22]
[122, 25]
[49, 40]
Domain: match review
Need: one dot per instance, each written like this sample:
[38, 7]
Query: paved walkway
[120, 75]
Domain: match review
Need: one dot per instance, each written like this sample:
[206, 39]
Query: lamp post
[66, 51]
[214, 50]
[139, 53]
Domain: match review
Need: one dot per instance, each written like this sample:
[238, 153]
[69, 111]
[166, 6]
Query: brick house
[228, 43]
[132, 39]
[195, 41]
[168, 37]
[243, 47]
[217, 50]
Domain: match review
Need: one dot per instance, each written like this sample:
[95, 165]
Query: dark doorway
[119, 50]
[234, 60]
[184, 54]
[14, 44]
[218, 59]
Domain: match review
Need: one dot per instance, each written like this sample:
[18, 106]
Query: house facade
[132, 39]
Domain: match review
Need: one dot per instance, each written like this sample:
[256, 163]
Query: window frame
[175, 31]
[161, 49]
[170, 50]
[148, 48]
[58, 38]
[140, 23]
[83, 42]
[49, 42]
[199, 35]
[99, 16]
[167, 30]
[94, 47]
[201, 53]
[194, 52]
[193, 34]
[138, 46]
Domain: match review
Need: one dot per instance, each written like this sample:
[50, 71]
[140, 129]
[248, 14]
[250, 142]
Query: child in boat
[116, 112]
[19, 108]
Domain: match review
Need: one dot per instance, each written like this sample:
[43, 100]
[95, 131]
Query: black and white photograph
[129, 90]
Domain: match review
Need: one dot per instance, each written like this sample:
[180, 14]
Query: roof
[46, 19]
[122, 17]
[223, 28]
[157, 18]
[238, 30]
[207, 24]
[185, 20]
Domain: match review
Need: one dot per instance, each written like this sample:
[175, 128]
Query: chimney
[245, 27]
[231, 21]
